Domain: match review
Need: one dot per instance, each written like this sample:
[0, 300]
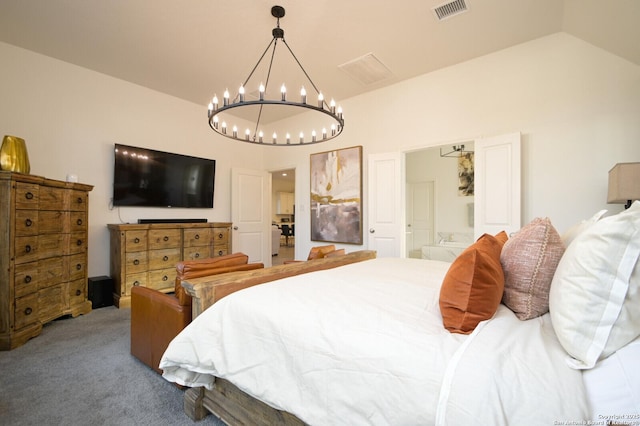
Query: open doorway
[283, 215]
[439, 205]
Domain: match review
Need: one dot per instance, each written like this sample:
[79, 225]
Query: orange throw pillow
[472, 288]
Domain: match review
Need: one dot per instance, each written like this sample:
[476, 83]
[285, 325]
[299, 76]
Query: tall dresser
[147, 254]
[43, 254]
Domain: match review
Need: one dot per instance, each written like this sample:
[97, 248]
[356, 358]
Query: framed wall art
[336, 196]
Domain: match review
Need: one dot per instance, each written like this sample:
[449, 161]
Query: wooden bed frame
[226, 401]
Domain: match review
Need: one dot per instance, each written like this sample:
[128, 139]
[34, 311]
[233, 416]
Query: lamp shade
[624, 183]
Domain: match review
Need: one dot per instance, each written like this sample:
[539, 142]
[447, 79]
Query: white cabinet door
[386, 201]
[250, 214]
[497, 184]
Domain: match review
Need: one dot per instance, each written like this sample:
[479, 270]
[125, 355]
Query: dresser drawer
[197, 237]
[53, 222]
[78, 201]
[198, 252]
[135, 280]
[77, 243]
[26, 222]
[51, 198]
[26, 249]
[51, 245]
[25, 279]
[220, 236]
[162, 279]
[135, 241]
[76, 266]
[220, 250]
[27, 195]
[51, 302]
[76, 292]
[78, 221]
[164, 238]
[162, 259]
[26, 310]
[51, 271]
[136, 262]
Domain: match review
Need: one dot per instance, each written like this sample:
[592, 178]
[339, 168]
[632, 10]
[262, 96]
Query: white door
[386, 204]
[419, 229]
[250, 214]
[497, 184]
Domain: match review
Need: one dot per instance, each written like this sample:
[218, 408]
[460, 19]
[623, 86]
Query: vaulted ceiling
[193, 49]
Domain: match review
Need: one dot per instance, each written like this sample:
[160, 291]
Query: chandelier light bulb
[303, 95]
[224, 127]
[235, 131]
[275, 137]
[301, 137]
[247, 133]
[241, 93]
[283, 91]
[261, 90]
[260, 135]
[288, 138]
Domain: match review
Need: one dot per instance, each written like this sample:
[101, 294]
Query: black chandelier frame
[239, 101]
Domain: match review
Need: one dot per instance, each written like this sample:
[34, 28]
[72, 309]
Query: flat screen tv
[149, 178]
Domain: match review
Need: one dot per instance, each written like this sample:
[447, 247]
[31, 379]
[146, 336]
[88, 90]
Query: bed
[380, 341]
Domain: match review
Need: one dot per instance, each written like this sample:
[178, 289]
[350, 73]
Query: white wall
[576, 106]
[70, 117]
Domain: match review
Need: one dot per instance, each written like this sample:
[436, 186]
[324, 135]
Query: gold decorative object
[13, 155]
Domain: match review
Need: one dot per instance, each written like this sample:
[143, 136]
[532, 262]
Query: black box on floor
[100, 292]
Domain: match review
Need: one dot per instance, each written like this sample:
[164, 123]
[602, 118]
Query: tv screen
[149, 178]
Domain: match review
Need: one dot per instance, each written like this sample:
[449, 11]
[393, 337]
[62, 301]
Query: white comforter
[364, 344]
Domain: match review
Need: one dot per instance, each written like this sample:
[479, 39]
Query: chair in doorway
[287, 233]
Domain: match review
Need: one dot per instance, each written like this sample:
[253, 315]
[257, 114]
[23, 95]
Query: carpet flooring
[79, 371]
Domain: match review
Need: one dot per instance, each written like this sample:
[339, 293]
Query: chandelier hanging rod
[258, 136]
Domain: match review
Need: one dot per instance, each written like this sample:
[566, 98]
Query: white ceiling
[193, 49]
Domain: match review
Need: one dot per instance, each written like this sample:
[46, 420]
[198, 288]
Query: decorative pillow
[571, 233]
[595, 293]
[473, 286]
[529, 260]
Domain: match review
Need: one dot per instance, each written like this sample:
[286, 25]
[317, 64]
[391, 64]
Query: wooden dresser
[43, 254]
[147, 254]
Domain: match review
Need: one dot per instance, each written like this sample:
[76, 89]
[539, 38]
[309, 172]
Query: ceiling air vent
[367, 69]
[450, 9]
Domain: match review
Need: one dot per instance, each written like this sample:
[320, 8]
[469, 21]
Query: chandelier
[226, 118]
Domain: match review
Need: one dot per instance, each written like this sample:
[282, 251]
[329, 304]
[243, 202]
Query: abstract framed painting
[336, 196]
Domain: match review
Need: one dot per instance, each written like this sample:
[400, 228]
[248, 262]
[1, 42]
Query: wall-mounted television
[145, 177]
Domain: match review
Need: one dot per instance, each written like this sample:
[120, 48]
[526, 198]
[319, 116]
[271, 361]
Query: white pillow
[571, 233]
[594, 299]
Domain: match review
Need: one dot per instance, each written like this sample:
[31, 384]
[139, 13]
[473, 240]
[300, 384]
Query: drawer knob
[79, 222]
[27, 279]
[166, 238]
[165, 258]
[165, 278]
[136, 240]
[80, 200]
[78, 266]
[197, 255]
[28, 222]
[27, 248]
[136, 262]
[136, 283]
[28, 196]
[220, 235]
[197, 237]
[219, 252]
[79, 243]
[78, 292]
[28, 311]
